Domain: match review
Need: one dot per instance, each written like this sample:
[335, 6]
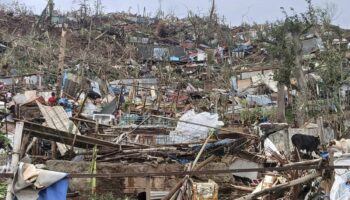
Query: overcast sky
[235, 11]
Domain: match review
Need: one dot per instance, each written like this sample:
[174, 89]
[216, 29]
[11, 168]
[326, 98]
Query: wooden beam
[148, 188]
[88, 121]
[307, 162]
[184, 180]
[55, 135]
[255, 69]
[82, 106]
[242, 188]
[15, 154]
[25, 142]
[252, 157]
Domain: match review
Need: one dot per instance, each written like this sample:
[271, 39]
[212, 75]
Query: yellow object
[93, 171]
[205, 191]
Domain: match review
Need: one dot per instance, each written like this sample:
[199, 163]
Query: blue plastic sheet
[224, 142]
[57, 191]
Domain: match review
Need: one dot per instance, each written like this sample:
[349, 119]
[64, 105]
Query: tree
[50, 5]
[331, 64]
[98, 7]
[281, 49]
[285, 45]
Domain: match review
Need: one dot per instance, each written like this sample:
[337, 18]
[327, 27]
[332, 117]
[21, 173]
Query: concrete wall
[244, 164]
[283, 142]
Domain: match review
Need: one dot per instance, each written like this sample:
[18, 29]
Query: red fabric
[52, 101]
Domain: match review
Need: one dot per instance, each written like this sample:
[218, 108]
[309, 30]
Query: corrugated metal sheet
[159, 52]
[128, 83]
[311, 45]
[57, 118]
[71, 85]
[6, 81]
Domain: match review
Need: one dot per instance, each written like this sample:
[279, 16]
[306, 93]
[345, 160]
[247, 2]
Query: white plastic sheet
[269, 146]
[340, 190]
[186, 132]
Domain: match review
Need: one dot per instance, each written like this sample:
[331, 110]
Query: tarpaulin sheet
[57, 191]
[30, 183]
[187, 132]
[340, 190]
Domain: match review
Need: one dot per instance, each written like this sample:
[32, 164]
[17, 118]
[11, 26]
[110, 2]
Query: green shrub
[3, 189]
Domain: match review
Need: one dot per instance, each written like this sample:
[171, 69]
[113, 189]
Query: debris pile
[166, 108]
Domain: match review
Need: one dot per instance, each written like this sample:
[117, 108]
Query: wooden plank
[320, 130]
[148, 188]
[307, 162]
[67, 138]
[242, 188]
[252, 157]
[56, 117]
[88, 121]
[15, 154]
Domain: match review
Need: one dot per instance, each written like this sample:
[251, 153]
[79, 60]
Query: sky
[235, 11]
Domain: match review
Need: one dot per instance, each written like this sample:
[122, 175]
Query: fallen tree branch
[281, 186]
[307, 162]
[242, 188]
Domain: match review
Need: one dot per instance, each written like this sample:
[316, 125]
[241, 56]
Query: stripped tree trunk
[61, 63]
[281, 105]
[300, 76]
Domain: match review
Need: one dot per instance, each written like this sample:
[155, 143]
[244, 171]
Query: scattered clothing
[68, 107]
[52, 101]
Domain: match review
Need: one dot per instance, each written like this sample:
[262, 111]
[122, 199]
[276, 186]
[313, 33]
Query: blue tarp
[224, 142]
[57, 191]
[243, 48]
[182, 161]
[174, 58]
[68, 107]
[65, 77]
[117, 90]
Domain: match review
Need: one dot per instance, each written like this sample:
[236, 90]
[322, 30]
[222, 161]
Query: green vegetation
[3, 189]
[251, 115]
[3, 139]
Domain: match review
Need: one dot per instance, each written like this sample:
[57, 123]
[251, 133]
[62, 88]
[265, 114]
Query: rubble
[165, 108]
